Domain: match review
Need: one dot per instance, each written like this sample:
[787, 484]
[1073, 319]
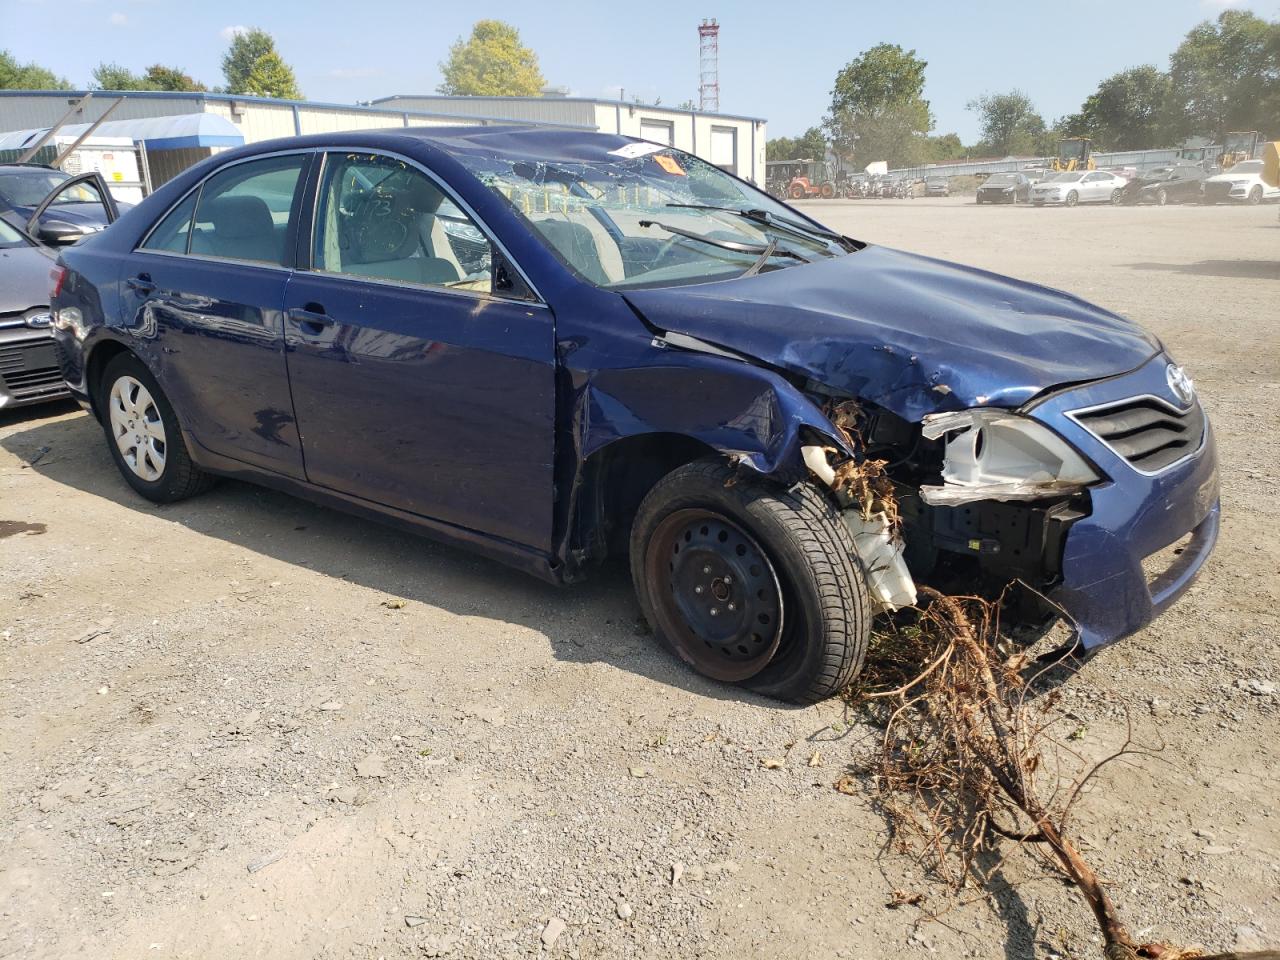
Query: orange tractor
[803, 179]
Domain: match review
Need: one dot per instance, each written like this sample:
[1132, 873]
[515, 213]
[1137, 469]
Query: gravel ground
[244, 726]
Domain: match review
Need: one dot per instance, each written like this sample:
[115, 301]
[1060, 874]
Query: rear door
[205, 294]
[416, 384]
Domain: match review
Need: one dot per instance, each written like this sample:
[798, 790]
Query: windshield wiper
[786, 224]
[770, 248]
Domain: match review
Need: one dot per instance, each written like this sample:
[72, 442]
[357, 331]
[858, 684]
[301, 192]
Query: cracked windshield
[652, 217]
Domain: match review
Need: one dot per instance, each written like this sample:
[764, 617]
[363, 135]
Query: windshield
[26, 188]
[9, 237]
[1248, 166]
[645, 217]
[1001, 180]
[1066, 178]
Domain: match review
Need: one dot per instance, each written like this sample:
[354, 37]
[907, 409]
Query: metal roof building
[736, 143]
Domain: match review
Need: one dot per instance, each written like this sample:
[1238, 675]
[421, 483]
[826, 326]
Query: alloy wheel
[137, 428]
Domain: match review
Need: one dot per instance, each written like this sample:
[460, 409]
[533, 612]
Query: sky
[777, 61]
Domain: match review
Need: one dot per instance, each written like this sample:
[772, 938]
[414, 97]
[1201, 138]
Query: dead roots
[964, 760]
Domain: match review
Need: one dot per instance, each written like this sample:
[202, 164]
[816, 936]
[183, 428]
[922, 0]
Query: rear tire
[816, 643]
[1162, 198]
[144, 436]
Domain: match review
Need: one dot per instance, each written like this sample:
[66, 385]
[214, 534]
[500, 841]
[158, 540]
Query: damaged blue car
[555, 346]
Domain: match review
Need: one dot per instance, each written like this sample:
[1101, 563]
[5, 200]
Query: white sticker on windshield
[633, 150]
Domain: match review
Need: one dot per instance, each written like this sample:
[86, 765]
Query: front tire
[1255, 196]
[1072, 198]
[792, 617]
[144, 435]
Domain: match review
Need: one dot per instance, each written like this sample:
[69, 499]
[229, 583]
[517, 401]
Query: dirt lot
[264, 755]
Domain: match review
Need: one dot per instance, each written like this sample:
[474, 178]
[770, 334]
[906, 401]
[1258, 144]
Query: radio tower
[709, 66]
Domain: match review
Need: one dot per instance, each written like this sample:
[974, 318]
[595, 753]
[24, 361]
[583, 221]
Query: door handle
[142, 283]
[311, 318]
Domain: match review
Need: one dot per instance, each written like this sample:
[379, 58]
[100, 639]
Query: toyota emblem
[1180, 384]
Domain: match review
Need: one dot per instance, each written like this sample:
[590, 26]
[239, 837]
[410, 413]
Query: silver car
[1078, 186]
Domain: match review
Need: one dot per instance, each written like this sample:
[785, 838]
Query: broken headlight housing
[998, 455]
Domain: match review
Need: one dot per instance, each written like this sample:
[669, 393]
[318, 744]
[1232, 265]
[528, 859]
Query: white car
[1242, 184]
[1080, 186]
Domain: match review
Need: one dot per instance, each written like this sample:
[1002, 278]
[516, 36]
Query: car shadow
[1230, 269]
[594, 621]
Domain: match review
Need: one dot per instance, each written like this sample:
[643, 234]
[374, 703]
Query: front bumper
[1109, 586]
[997, 196]
[1048, 198]
[29, 369]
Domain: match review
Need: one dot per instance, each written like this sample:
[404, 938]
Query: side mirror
[58, 232]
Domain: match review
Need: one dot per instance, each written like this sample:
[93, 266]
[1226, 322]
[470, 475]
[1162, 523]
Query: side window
[380, 217]
[174, 231]
[243, 211]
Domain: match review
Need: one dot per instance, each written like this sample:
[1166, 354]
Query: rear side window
[173, 232]
[244, 211]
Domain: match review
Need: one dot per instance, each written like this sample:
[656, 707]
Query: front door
[204, 294]
[414, 385]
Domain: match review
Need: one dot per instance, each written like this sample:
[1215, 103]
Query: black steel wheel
[751, 583]
[718, 602]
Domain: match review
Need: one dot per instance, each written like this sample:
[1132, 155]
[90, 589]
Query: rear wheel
[143, 434]
[828, 191]
[1116, 196]
[1162, 197]
[751, 584]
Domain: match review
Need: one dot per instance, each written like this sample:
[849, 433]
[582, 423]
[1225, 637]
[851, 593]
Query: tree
[946, 146]
[811, 145]
[1010, 124]
[27, 76]
[1129, 111]
[878, 111]
[1225, 75]
[252, 66]
[492, 62]
[172, 78]
[112, 76]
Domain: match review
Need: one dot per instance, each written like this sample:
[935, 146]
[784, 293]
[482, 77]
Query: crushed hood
[910, 333]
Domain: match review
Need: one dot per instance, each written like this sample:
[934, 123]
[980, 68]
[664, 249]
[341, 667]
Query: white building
[735, 143]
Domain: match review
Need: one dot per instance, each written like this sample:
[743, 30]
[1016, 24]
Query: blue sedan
[552, 345]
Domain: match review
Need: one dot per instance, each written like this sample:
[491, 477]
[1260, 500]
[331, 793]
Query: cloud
[230, 33]
[355, 73]
[118, 19]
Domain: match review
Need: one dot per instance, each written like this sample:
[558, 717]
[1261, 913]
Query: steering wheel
[383, 223]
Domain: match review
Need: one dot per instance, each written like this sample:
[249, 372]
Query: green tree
[1225, 75]
[492, 62]
[172, 78]
[1010, 124]
[878, 110]
[946, 146]
[252, 66]
[811, 145]
[112, 76]
[1129, 111]
[27, 76]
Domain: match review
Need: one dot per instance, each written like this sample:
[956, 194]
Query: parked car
[1180, 183]
[937, 187]
[1078, 186]
[29, 371]
[682, 371]
[1005, 188]
[1243, 183]
[77, 208]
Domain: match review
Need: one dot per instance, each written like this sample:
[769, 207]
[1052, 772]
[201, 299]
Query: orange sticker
[669, 164]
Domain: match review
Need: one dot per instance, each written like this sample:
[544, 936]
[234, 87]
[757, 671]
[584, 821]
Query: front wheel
[750, 583]
[1073, 198]
[796, 192]
[143, 434]
[1162, 197]
[1255, 196]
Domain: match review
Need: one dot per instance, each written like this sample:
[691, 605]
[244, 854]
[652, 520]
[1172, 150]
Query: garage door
[659, 131]
[724, 148]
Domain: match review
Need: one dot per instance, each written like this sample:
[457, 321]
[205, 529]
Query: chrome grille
[1149, 433]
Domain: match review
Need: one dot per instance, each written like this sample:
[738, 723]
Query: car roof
[510, 141]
